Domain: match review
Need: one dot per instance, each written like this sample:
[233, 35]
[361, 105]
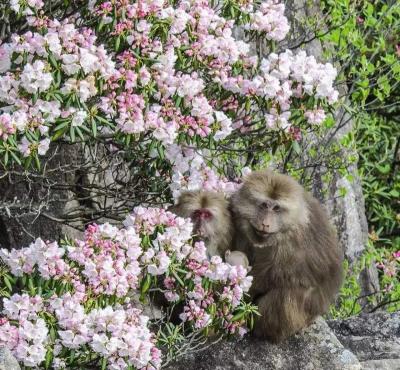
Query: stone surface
[373, 336]
[315, 349]
[31, 204]
[381, 365]
[7, 360]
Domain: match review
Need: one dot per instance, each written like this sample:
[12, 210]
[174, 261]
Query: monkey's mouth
[261, 233]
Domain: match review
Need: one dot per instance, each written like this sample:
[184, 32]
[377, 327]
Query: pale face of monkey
[210, 217]
[269, 217]
[203, 220]
[268, 205]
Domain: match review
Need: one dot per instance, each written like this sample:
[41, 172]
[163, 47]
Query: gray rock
[316, 348]
[381, 365]
[31, 204]
[7, 360]
[371, 337]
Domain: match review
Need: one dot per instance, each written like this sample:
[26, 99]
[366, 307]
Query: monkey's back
[326, 257]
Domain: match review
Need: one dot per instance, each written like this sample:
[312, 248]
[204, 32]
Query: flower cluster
[270, 19]
[125, 103]
[118, 333]
[234, 282]
[108, 258]
[283, 78]
[316, 116]
[45, 257]
[190, 171]
[6, 126]
[28, 340]
[172, 75]
[390, 264]
[47, 77]
[27, 8]
[82, 296]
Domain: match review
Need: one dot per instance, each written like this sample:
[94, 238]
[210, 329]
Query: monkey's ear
[249, 268]
[227, 253]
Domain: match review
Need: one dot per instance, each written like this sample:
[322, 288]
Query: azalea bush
[168, 79]
[79, 303]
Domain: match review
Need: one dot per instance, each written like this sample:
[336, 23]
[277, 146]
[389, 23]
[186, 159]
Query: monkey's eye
[202, 214]
[264, 205]
[276, 208]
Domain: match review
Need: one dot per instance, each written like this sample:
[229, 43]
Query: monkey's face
[268, 204]
[207, 210]
[266, 216]
[270, 217]
[203, 223]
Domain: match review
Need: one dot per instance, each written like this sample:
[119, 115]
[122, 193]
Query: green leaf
[72, 133]
[62, 125]
[100, 26]
[383, 169]
[103, 120]
[94, 128]
[160, 150]
[117, 43]
[146, 283]
[296, 147]
[7, 282]
[15, 157]
[178, 101]
[49, 358]
[59, 133]
[238, 316]
[31, 286]
[79, 132]
[180, 281]
[53, 61]
[37, 161]
[58, 82]
[53, 335]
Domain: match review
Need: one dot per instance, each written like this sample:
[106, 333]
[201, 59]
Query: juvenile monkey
[209, 212]
[292, 248]
[237, 258]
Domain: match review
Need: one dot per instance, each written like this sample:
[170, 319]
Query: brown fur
[295, 258]
[217, 231]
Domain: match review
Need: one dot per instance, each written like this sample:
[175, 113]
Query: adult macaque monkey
[211, 218]
[292, 248]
